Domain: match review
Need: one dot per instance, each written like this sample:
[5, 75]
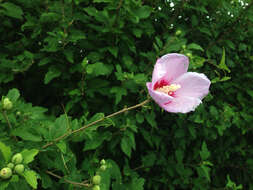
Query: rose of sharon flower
[173, 88]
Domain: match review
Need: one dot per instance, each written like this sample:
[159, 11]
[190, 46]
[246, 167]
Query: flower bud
[183, 46]
[102, 162]
[10, 165]
[103, 167]
[19, 169]
[96, 179]
[7, 104]
[178, 32]
[189, 55]
[96, 187]
[5, 173]
[17, 158]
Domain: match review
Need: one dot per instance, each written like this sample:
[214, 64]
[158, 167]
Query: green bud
[102, 162]
[96, 187]
[5, 173]
[10, 165]
[19, 169]
[103, 167]
[18, 113]
[7, 104]
[178, 32]
[183, 46]
[96, 179]
[17, 158]
[189, 55]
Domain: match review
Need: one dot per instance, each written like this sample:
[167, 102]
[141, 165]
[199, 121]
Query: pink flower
[173, 88]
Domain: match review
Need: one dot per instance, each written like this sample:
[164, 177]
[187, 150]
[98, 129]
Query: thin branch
[95, 122]
[68, 181]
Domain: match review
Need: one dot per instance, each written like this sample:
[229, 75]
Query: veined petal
[193, 84]
[159, 97]
[169, 67]
[182, 105]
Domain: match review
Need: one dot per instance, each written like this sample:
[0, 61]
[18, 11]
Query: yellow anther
[169, 89]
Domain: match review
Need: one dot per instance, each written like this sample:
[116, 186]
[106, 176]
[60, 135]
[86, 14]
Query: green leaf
[49, 17]
[62, 146]
[28, 134]
[204, 153]
[13, 94]
[125, 146]
[195, 47]
[119, 92]
[12, 10]
[143, 12]
[51, 74]
[222, 64]
[114, 51]
[99, 68]
[69, 55]
[31, 178]
[60, 126]
[29, 155]
[6, 151]
[179, 155]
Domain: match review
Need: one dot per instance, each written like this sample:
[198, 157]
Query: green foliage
[66, 64]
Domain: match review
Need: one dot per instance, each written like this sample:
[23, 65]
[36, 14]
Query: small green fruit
[102, 162]
[7, 104]
[19, 169]
[189, 55]
[184, 46]
[96, 179]
[10, 165]
[17, 158]
[5, 173]
[96, 187]
[178, 32]
[103, 167]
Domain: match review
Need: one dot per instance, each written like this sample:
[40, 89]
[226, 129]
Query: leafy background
[67, 63]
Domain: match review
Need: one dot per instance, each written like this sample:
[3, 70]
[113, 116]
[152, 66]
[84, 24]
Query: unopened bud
[10, 165]
[178, 32]
[103, 167]
[7, 104]
[19, 169]
[96, 187]
[17, 158]
[96, 179]
[102, 162]
[5, 173]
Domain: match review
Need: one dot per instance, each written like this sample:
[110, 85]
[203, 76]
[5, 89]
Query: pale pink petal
[169, 67]
[182, 105]
[193, 84]
[159, 97]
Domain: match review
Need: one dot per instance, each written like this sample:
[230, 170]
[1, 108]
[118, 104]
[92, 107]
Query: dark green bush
[76, 61]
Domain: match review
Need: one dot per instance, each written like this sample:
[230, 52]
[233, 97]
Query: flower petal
[182, 105]
[169, 67]
[193, 84]
[159, 97]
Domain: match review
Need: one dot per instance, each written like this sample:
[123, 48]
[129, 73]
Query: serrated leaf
[51, 74]
[222, 64]
[60, 126]
[195, 47]
[13, 94]
[99, 68]
[28, 134]
[179, 155]
[119, 92]
[31, 178]
[29, 155]
[6, 151]
[12, 10]
[62, 146]
[125, 146]
[143, 12]
[204, 153]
